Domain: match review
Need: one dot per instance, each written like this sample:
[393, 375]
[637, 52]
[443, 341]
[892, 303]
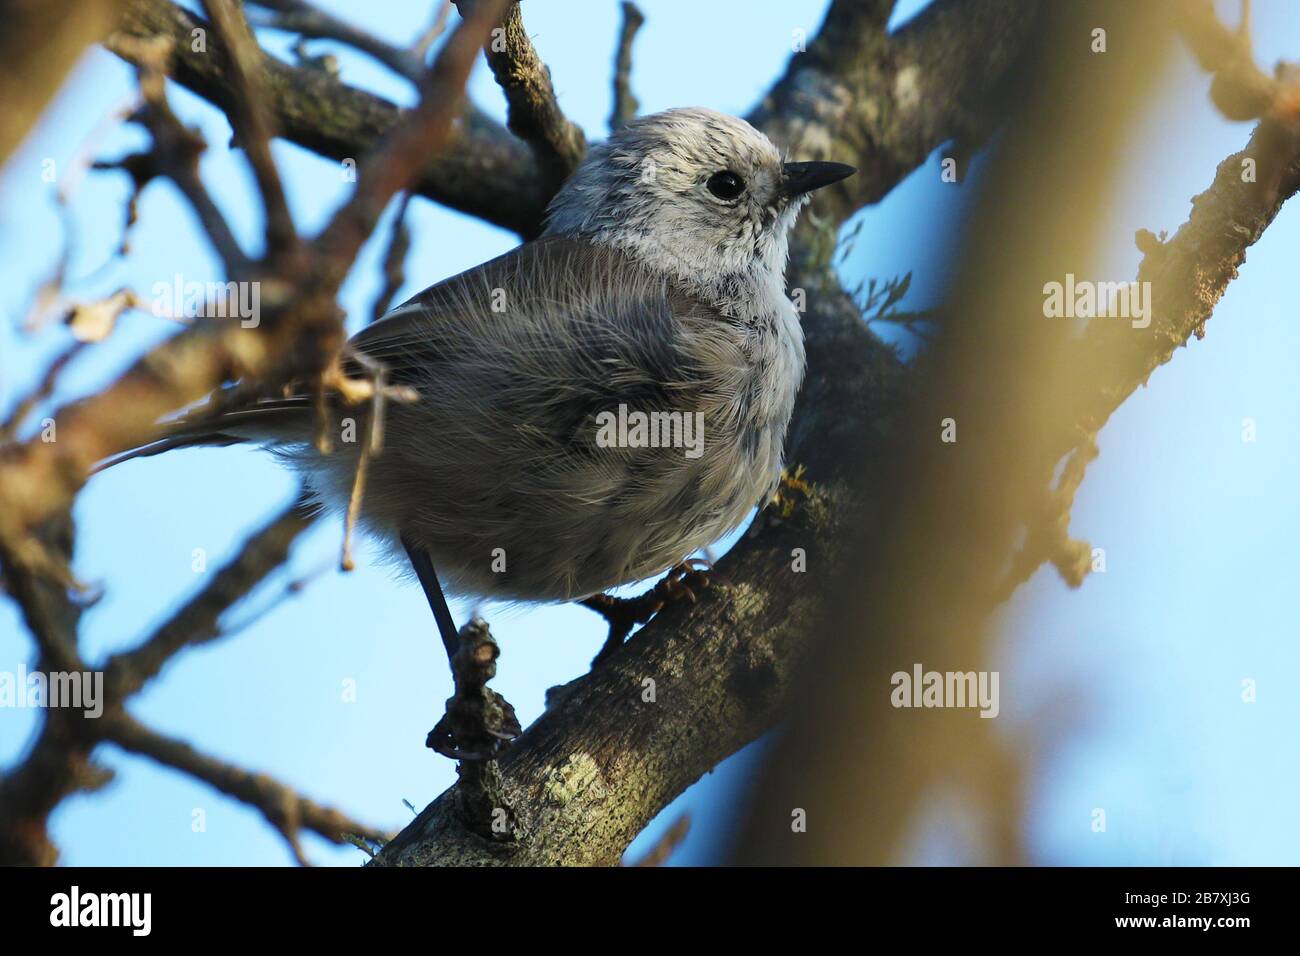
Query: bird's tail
[275, 421]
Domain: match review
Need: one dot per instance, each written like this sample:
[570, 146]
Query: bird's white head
[700, 195]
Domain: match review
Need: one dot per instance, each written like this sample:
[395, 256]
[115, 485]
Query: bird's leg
[479, 723]
[680, 583]
[423, 566]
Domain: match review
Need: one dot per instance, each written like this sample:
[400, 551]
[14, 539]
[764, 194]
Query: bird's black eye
[726, 185]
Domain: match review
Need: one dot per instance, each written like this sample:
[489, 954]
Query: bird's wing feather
[567, 288]
[551, 277]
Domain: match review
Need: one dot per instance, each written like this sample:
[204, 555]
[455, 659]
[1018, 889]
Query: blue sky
[1138, 673]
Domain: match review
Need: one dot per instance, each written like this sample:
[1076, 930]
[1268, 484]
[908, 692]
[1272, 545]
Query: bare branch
[885, 102]
[425, 130]
[176, 154]
[58, 763]
[625, 103]
[284, 809]
[479, 722]
[198, 620]
[484, 170]
[308, 20]
[251, 123]
[299, 333]
[534, 113]
[1190, 272]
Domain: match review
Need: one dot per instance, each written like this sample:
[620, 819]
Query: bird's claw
[684, 581]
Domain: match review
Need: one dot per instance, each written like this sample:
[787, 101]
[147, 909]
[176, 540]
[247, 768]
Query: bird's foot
[683, 582]
[479, 723]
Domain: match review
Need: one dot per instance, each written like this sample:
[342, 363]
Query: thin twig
[625, 103]
[285, 809]
[399, 243]
[198, 620]
[308, 20]
[177, 150]
[534, 113]
[251, 119]
[402, 154]
[358, 488]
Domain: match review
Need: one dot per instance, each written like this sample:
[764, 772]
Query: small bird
[595, 405]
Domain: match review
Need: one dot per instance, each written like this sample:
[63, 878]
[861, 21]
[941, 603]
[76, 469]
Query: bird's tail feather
[275, 421]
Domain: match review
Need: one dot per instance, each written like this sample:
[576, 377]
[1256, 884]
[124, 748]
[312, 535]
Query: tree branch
[885, 102]
[393, 166]
[249, 118]
[534, 113]
[40, 43]
[197, 621]
[625, 103]
[58, 763]
[176, 155]
[298, 16]
[285, 809]
[484, 170]
[590, 773]
[299, 334]
[600, 764]
[626, 739]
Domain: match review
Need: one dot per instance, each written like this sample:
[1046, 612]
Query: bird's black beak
[803, 178]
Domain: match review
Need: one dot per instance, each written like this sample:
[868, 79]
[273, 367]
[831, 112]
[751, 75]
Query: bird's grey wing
[415, 338]
[542, 290]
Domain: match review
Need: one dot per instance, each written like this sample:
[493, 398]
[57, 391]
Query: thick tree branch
[601, 764]
[885, 102]
[39, 44]
[587, 776]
